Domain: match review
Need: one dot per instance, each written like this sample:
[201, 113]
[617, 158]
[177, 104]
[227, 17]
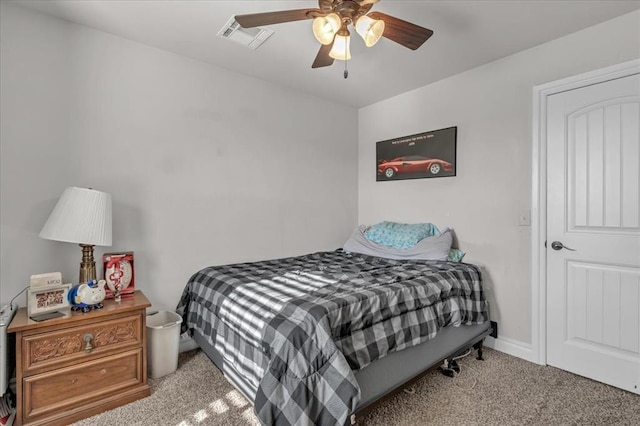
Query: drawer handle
[87, 339]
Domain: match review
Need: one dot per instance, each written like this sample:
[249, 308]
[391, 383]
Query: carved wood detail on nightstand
[120, 333]
[54, 348]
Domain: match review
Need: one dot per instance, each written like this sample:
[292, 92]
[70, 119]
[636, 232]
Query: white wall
[492, 108]
[204, 166]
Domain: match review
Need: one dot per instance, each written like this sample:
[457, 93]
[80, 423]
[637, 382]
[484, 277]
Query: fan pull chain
[346, 71]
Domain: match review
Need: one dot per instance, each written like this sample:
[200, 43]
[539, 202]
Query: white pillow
[429, 248]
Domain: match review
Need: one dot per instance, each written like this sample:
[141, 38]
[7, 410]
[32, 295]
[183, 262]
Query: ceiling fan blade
[268, 18]
[403, 32]
[322, 58]
[366, 2]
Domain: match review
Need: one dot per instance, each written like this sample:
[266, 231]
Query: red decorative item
[119, 275]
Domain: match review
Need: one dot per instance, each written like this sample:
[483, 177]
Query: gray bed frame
[388, 375]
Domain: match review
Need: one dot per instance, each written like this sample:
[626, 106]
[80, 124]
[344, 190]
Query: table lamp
[81, 216]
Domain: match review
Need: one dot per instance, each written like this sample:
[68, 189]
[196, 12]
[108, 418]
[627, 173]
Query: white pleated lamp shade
[81, 216]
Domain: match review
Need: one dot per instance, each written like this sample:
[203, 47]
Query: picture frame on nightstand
[44, 299]
[119, 274]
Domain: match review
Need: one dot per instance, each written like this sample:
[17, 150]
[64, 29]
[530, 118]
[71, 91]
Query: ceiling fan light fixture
[340, 49]
[326, 27]
[330, 22]
[370, 29]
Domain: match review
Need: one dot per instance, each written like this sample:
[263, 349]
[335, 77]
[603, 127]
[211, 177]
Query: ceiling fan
[330, 27]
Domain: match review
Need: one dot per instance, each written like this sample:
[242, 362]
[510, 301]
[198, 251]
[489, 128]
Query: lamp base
[88, 265]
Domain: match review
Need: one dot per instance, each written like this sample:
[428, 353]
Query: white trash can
[163, 341]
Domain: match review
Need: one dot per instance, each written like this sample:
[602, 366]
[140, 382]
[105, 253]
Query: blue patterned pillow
[399, 235]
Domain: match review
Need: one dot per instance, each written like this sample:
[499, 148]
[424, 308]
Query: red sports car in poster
[413, 164]
[423, 155]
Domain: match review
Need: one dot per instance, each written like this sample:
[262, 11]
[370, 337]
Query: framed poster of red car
[424, 155]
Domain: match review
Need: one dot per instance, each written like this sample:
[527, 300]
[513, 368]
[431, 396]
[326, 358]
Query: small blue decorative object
[87, 296]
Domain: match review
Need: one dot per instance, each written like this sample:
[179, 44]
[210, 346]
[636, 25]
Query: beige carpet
[502, 390]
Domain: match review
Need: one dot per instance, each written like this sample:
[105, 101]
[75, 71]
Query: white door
[593, 207]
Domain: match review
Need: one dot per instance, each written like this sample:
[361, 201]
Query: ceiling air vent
[250, 37]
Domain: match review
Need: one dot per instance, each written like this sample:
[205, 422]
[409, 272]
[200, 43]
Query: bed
[317, 339]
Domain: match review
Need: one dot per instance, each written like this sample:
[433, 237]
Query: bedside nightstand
[80, 365]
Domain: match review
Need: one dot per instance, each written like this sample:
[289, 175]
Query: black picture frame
[423, 155]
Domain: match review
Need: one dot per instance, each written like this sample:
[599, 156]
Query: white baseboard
[511, 347]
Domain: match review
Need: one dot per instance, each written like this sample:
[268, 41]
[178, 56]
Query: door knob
[557, 245]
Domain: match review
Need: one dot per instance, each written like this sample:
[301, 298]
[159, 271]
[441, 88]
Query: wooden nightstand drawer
[61, 390]
[63, 347]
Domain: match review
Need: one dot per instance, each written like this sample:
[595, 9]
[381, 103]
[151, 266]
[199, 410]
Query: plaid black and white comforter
[293, 330]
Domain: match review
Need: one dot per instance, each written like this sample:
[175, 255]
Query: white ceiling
[466, 34]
